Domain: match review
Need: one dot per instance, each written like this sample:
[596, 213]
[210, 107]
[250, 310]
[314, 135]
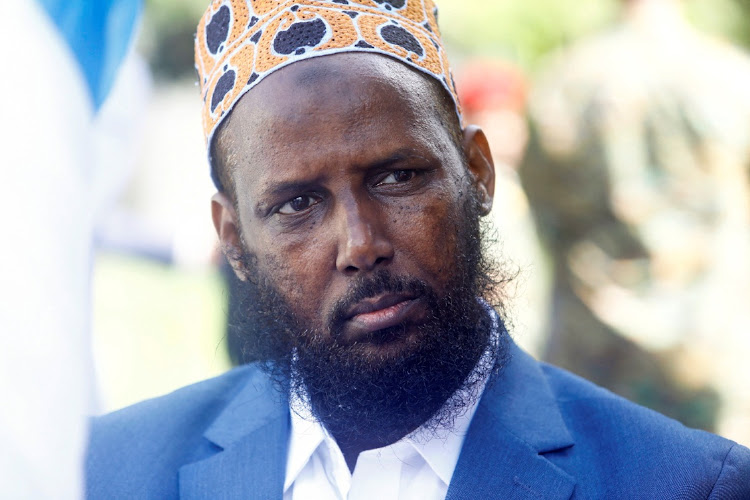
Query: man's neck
[353, 447]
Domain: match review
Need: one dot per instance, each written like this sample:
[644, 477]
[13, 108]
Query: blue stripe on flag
[98, 33]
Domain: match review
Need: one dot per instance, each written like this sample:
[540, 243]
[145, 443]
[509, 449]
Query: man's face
[342, 168]
[351, 196]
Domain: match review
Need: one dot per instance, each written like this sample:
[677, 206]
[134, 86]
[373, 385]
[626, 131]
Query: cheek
[427, 236]
[300, 276]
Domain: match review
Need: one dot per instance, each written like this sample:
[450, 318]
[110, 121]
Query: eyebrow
[283, 188]
[395, 157]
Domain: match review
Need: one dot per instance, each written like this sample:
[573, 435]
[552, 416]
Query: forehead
[344, 108]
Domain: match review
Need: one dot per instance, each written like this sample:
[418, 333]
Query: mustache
[378, 283]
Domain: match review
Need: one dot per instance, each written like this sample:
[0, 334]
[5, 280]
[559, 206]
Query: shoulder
[140, 448]
[625, 450]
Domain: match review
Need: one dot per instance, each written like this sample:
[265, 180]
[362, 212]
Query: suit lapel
[252, 468]
[251, 436]
[516, 423]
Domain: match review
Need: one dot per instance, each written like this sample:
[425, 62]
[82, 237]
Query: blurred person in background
[493, 94]
[637, 174]
[61, 145]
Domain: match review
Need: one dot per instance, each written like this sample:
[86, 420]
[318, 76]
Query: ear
[481, 166]
[226, 224]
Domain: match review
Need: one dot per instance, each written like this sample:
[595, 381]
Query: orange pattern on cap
[239, 42]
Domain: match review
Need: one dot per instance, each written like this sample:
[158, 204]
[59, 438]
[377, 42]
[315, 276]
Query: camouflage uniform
[637, 173]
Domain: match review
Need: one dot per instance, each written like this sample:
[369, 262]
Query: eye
[398, 176]
[298, 204]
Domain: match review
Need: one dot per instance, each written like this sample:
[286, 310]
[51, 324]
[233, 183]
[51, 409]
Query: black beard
[378, 401]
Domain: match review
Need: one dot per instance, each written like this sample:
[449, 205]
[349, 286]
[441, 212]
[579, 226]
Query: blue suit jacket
[539, 432]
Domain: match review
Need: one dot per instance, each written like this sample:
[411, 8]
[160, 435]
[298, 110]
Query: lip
[378, 313]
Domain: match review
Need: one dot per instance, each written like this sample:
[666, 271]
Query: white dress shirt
[419, 466]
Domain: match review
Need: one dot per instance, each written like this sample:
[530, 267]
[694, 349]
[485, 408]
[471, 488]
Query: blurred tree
[724, 18]
[520, 31]
[168, 34]
[526, 31]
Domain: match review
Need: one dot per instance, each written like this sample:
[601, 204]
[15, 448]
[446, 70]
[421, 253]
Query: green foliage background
[522, 31]
[525, 30]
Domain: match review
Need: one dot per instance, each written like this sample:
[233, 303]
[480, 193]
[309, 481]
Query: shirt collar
[439, 448]
[307, 434]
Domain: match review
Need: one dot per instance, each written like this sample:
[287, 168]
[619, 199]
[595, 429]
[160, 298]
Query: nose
[363, 244]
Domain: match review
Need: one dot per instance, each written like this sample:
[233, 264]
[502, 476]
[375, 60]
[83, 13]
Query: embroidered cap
[240, 42]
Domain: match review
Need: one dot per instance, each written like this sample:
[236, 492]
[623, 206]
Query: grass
[155, 328]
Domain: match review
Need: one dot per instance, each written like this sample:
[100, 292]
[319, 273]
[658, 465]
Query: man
[349, 204]
[637, 173]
